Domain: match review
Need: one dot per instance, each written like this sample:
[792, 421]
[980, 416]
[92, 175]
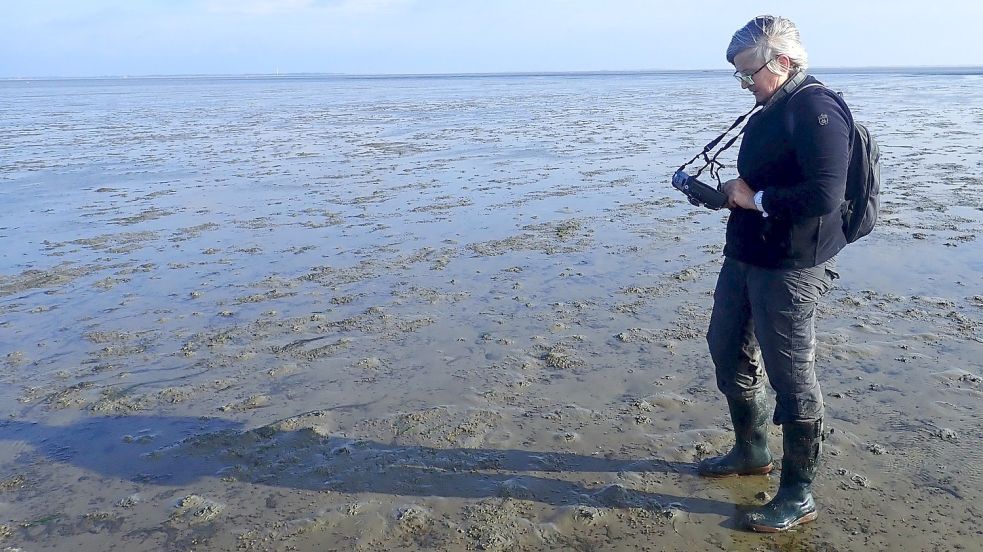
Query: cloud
[257, 7]
[267, 7]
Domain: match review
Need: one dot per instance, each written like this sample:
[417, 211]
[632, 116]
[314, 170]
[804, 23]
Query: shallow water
[451, 312]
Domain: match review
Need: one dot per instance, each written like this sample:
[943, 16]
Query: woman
[784, 230]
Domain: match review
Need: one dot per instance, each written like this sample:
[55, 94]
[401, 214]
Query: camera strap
[711, 162]
[789, 89]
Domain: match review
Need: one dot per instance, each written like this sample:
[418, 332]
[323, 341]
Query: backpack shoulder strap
[801, 88]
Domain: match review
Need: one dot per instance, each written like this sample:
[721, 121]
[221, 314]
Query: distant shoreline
[899, 70]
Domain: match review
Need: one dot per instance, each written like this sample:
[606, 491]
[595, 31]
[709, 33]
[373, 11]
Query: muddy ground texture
[472, 324]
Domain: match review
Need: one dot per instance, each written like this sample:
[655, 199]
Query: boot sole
[811, 516]
[763, 470]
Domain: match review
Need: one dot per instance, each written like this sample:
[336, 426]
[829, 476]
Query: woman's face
[766, 83]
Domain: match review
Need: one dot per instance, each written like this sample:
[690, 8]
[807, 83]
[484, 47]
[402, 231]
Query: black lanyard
[712, 162]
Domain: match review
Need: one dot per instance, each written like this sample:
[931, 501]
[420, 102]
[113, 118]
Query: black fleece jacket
[797, 150]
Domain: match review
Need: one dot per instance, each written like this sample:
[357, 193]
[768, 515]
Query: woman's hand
[739, 194]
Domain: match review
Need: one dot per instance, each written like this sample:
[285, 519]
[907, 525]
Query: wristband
[759, 202]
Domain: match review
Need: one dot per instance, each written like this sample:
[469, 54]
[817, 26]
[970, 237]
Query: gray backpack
[863, 185]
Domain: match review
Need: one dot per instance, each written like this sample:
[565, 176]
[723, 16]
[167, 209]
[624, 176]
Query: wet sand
[452, 316]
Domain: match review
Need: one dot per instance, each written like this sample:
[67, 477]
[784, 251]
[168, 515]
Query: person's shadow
[180, 450]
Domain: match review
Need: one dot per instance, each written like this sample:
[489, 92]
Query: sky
[79, 38]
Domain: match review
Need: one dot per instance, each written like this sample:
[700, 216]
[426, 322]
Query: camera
[697, 192]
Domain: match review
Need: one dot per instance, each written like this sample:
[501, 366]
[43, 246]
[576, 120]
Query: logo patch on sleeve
[823, 119]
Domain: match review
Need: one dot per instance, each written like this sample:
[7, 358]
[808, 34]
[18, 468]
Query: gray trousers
[771, 311]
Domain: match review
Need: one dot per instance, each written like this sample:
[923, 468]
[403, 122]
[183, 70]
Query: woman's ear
[785, 62]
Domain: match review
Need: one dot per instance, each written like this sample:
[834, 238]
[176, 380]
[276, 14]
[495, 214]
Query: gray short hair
[770, 36]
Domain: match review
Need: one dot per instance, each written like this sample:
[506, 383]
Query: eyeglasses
[748, 78]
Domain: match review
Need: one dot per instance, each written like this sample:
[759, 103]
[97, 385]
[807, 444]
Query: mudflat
[453, 313]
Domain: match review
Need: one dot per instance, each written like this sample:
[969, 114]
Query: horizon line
[970, 69]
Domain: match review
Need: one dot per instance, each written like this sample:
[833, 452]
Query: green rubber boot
[750, 455]
[793, 504]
